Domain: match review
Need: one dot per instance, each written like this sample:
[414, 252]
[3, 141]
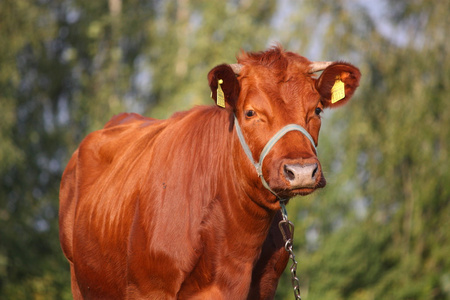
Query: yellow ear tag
[220, 95]
[337, 91]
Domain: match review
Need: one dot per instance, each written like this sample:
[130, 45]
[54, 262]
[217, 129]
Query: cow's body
[165, 209]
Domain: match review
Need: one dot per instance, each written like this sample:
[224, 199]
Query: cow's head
[267, 91]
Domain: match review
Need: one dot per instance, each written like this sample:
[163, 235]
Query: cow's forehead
[289, 88]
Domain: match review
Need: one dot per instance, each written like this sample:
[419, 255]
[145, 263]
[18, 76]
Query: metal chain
[287, 231]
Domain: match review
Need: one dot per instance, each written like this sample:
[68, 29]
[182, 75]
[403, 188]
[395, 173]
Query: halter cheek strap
[268, 147]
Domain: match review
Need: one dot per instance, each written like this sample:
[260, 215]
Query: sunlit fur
[165, 209]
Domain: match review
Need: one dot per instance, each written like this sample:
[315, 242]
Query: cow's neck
[243, 199]
[232, 186]
[252, 207]
[250, 221]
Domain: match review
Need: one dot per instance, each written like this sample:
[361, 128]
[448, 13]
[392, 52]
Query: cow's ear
[337, 84]
[224, 76]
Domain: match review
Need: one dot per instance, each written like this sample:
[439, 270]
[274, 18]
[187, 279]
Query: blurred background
[381, 227]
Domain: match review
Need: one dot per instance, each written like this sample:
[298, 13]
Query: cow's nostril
[315, 171]
[289, 173]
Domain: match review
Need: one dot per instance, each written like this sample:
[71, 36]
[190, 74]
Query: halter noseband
[268, 147]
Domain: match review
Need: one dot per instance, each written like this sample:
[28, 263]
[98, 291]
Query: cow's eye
[250, 113]
[318, 111]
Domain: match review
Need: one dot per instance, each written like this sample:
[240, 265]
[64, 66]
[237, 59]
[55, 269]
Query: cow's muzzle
[301, 176]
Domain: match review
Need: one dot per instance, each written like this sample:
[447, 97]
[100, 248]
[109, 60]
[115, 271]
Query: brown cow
[165, 209]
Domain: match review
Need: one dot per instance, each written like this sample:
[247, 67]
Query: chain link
[287, 231]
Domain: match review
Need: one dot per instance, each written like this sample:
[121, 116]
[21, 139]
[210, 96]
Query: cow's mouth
[303, 191]
[292, 191]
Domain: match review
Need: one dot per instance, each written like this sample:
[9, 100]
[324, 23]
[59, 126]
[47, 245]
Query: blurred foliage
[379, 230]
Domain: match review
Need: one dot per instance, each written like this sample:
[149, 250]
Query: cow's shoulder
[119, 136]
[113, 157]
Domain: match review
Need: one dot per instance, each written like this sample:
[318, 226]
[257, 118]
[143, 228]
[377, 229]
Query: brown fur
[165, 209]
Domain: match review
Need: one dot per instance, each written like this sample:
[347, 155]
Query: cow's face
[275, 89]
